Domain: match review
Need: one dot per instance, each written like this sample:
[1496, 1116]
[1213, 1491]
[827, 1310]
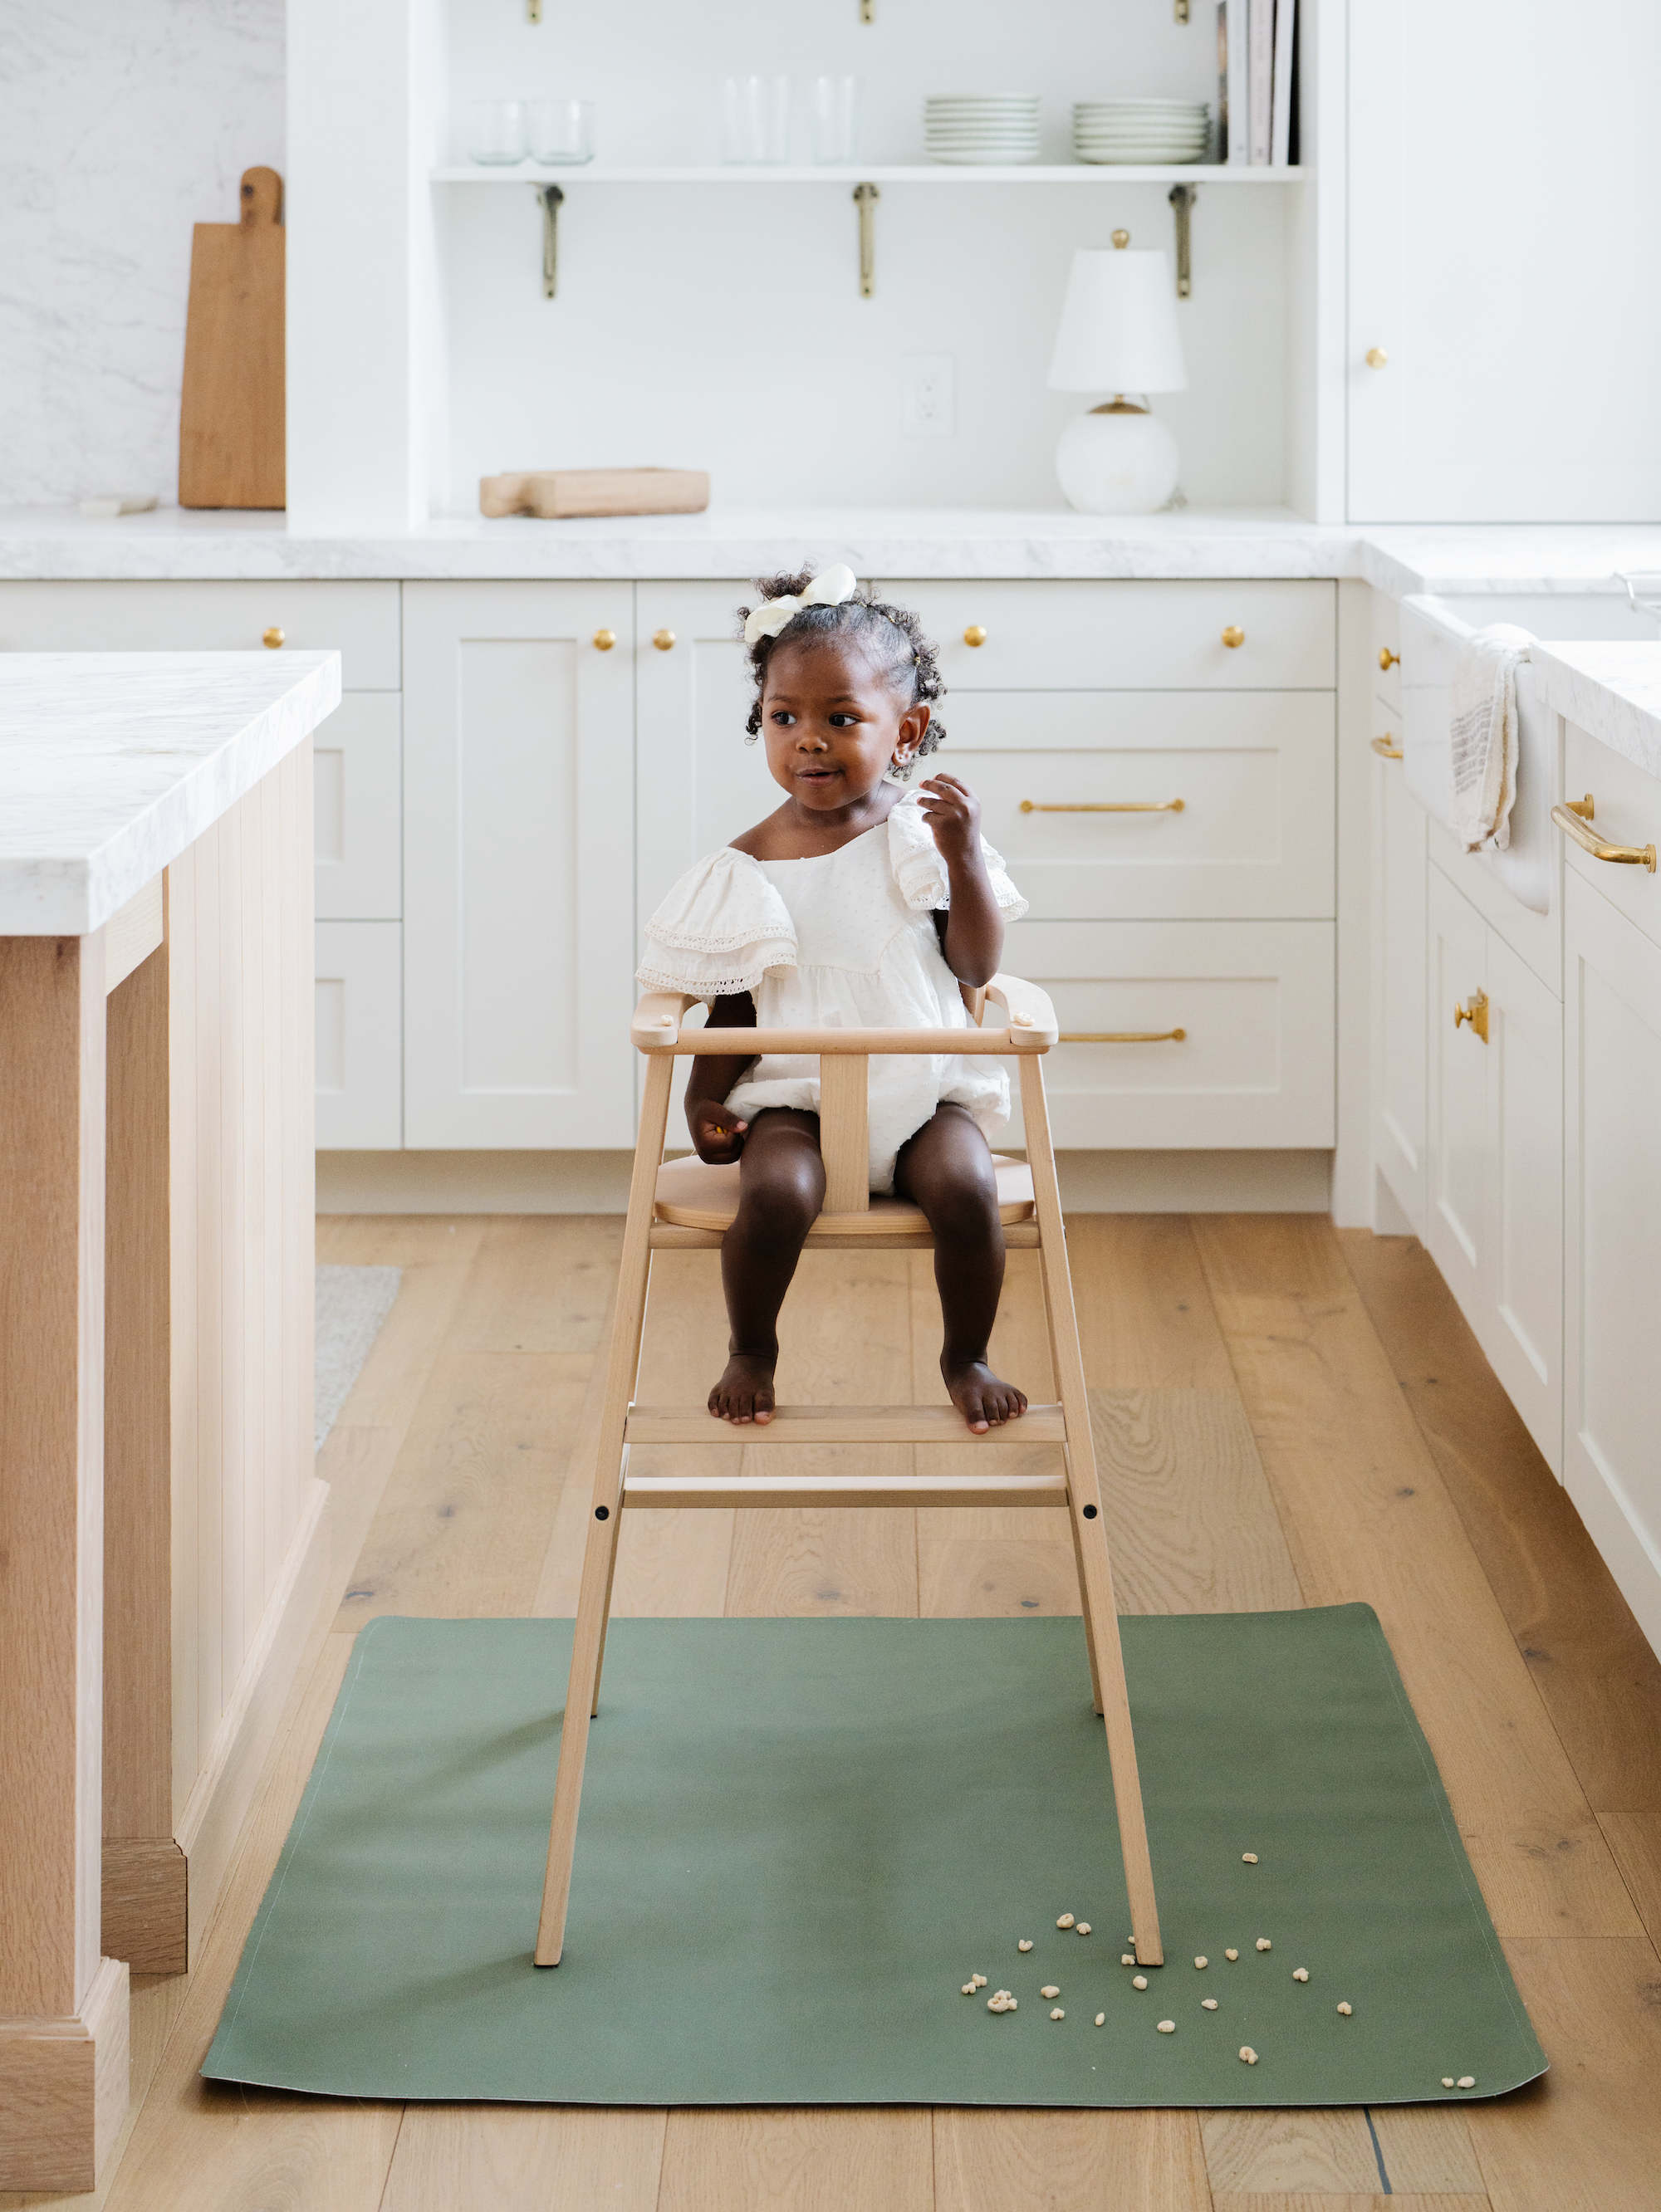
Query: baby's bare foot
[745, 1392]
[983, 1399]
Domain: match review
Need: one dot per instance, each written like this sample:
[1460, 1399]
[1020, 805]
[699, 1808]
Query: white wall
[719, 326]
[122, 124]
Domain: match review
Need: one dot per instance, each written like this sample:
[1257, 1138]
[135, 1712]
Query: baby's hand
[717, 1132]
[954, 816]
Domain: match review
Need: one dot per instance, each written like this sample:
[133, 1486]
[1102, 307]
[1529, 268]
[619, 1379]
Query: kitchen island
[159, 1509]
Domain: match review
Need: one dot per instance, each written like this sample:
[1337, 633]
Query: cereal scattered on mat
[1346, 2010]
[1208, 2004]
[1467, 2080]
[1026, 1943]
[1248, 1858]
[1167, 2027]
[1101, 2019]
[1300, 1974]
[1138, 1981]
[1055, 2013]
[1065, 1920]
[1202, 1961]
[1263, 1943]
[1248, 2054]
[1231, 1954]
[1049, 1990]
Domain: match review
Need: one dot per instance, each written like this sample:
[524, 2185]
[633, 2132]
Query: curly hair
[892, 636]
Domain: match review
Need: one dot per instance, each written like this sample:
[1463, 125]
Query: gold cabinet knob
[274, 637]
[1387, 748]
[1387, 659]
[1376, 357]
[1234, 635]
[664, 640]
[604, 639]
[1476, 1013]
[974, 635]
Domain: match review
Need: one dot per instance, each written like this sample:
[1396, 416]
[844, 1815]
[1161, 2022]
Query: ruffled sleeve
[720, 929]
[921, 872]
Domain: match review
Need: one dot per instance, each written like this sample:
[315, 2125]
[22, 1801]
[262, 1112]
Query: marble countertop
[893, 543]
[1612, 692]
[113, 763]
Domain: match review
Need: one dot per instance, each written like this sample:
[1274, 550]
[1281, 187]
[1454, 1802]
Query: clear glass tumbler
[834, 109]
[755, 119]
[495, 132]
[563, 132]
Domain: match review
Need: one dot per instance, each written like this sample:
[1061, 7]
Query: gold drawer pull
[1108, 807]
[274, 637]
[974, 635]
[1122, 1036]
[1476, 1013]
[1387, 659]
[664, 640]
[1376, 357]
[1571, 817]
[604, 639]
[1386, 749]
[1234, 635]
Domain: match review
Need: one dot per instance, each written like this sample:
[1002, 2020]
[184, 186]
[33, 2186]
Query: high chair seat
[693, 1195]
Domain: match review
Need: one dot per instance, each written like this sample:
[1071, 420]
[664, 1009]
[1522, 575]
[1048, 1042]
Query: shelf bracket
[552, 197]
[865, 199]
[1183, 197]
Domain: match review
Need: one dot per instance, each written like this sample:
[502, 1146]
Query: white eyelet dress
[845, 941]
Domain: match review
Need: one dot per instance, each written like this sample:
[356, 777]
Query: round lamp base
[1117, 460]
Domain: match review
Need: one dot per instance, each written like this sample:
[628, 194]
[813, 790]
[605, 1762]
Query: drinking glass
[563, 132]
[495, 132]
[755, 119]
[834, 108]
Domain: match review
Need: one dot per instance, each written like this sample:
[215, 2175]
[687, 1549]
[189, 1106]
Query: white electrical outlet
[930, 401]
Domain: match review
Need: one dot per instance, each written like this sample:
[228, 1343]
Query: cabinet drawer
[359, 1002]
[1628, 812]
[1253, 835]
[1254, 999]
[358, 620]
[1129, 637]
[358, 810]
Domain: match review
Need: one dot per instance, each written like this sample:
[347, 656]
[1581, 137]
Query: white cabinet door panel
[1254, 1066]
[360, 1046]
[1523, 1327]
[1253, 834]
[1399, 952]
[519, 866]
[360, 620]
[1456, 1159]
[1612, 1442]
[1129, 636]
[357, 776]
[1485, 330]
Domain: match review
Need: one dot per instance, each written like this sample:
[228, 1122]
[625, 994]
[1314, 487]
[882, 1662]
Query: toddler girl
[858, 904]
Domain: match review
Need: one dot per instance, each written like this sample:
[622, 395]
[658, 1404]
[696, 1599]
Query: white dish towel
[1483, 716]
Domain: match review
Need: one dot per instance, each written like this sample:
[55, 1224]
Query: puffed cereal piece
[1231, 1954]
[1347, 2009]
[1208, 2004]
[1101, 2019]
[1083, 1929]
[1025, 1944]
[1447, 2080]
[1248, 2054]
[1248, 1858]
[1263, 1943]
[1467, 2080]
[1300, 1974]
[1138, 1981]
[1049, 1990]
[1167, 2026]
[1202, 1962]
[1127, 1957]
[1065, 1920]
[1055, 2013]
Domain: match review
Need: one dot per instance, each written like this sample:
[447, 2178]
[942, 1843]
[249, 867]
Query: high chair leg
[1089, 1532]
[599, 1554]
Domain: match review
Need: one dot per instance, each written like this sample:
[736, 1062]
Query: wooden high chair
[689, 1206]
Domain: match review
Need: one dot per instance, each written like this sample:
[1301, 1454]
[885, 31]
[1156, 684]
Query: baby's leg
[781, 1189]
[947, 1170]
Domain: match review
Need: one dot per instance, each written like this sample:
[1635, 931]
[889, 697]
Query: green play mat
[800, 1837]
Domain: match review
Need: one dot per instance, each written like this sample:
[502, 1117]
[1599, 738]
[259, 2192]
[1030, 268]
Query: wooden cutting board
[231, 413]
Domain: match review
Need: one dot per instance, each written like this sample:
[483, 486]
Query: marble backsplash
[122, 124]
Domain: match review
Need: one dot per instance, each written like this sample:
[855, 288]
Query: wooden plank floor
[1287, 1416]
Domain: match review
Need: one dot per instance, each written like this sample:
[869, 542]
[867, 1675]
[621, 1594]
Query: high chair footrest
[835, 1490]
[840, 1425]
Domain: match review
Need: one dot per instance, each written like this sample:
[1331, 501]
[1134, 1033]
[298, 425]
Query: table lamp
[1118, 333]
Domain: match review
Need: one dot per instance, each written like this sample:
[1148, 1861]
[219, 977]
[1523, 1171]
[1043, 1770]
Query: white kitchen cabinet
[518, 884]
[1398, 986]
[357, 812]
[1493, 1223]
[358, 1001]
[1612, 1440]
[1626, 812]
[1458, 112]
[1253, 1067]
[358, 619]
[1060, 636]
[1244, 787]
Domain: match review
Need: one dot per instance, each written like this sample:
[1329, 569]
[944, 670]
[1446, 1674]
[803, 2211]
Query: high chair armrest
[1025, 1007]
[656, 1026]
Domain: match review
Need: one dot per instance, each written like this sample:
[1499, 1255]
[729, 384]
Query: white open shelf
[1072, 172]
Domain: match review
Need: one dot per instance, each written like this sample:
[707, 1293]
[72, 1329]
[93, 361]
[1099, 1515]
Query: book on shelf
[1285, 16]
[1232, 102]
[1260, 81]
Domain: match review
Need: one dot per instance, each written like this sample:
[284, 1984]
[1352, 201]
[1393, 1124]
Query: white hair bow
[829, 590]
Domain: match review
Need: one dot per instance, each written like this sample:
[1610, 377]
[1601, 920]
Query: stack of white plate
[1139, 130]
[993, 128]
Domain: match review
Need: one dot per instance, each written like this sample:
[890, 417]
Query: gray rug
[351, 1304]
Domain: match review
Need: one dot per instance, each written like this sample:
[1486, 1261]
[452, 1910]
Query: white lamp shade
[1118, 331]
